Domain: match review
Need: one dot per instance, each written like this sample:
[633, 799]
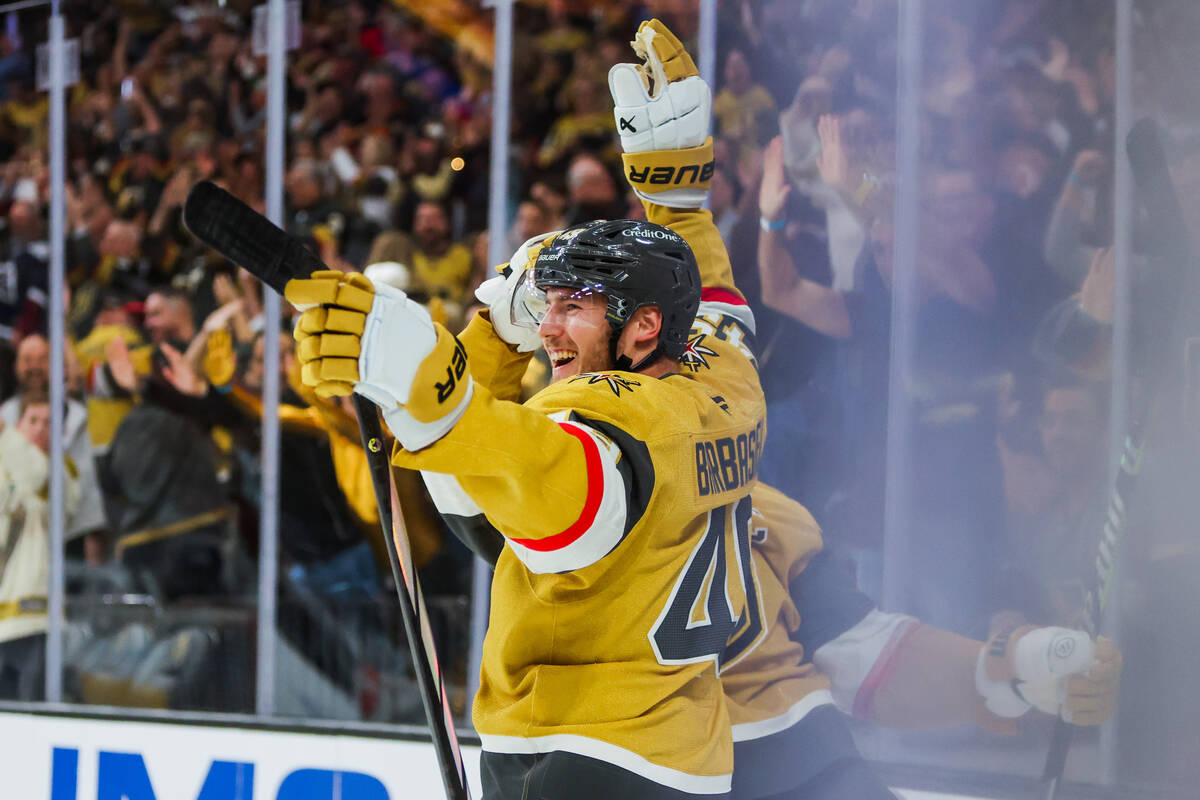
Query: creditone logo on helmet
[652, 233]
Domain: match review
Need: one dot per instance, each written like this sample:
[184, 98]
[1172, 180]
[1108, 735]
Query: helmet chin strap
[623, 362]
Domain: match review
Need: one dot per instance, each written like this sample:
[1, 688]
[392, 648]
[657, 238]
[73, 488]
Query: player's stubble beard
[592, 352]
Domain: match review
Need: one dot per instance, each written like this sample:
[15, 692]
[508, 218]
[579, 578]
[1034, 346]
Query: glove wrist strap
[999, 696]
[654, 172]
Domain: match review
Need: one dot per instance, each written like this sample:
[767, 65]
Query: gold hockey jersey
[624, 501]
[772, 686]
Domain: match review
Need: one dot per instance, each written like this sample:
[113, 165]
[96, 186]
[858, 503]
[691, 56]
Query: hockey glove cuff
[674, 178]
[439, 393]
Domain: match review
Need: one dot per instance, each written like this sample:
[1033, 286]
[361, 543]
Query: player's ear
[645, 324]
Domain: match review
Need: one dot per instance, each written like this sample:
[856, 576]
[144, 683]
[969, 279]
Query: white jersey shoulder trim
[612, 754]
[601, 523]
[448, 495]
[855, 660]
[767, 727]
[740, 312]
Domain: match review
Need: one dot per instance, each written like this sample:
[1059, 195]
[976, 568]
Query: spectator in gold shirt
[441, 267]
[741, 106]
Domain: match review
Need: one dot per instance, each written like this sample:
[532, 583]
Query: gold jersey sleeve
[697, 228]
[720, 349]
[493, 363]
[621, 579]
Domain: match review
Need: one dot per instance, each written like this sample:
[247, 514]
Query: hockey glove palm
[663, 111]
[355, 336]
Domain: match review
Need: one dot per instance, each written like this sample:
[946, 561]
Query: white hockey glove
[663, 111]
[1056, 670]
[512, 320]
[356, 336]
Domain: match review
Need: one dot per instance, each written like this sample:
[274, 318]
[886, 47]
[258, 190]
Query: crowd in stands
[388, 126]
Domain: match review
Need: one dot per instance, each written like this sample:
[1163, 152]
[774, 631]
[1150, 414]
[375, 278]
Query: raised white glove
[679, 116]
[663, 106]
[512, 321]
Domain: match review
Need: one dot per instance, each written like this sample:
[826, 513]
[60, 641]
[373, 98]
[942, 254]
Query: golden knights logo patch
[696, 355]
[615, 382]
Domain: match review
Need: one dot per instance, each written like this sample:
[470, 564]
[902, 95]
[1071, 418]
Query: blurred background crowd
[389, 116]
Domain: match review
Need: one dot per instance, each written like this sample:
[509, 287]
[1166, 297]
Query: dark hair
[172, 293]
[32, 397]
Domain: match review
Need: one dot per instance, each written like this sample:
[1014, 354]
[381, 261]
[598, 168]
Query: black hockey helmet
[633, 264]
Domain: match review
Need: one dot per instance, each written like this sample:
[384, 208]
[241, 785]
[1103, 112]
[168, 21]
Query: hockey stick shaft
[1096, 603]
[412, 605]
[1157, 195]
[250, 240]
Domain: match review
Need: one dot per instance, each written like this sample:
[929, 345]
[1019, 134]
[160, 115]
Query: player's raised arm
[663, 111]
[354, 336]
[499, 340]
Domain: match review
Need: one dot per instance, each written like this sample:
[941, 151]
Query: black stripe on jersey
[477, 534]
[635, 466]
[829, 602]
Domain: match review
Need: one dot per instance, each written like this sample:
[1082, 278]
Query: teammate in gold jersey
[622, 490]
[827, 650]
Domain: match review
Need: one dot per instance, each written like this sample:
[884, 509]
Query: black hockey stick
[253, 242]
[1169, 232]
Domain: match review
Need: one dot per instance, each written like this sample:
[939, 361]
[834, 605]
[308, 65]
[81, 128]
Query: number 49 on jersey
[713, 613]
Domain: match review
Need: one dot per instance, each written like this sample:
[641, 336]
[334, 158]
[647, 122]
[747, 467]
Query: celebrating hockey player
[811, 646]
[622, 490]
[822, 646]
[634, 566]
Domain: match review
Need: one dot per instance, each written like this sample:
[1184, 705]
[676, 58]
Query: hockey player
[622, 490]
[812, 644]
[778, 699]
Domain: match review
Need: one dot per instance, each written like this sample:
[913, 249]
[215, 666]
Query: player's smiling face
[575, 333]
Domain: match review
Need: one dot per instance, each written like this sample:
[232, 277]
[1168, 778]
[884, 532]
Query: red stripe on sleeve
[716, 295]
[595, 493]
[864, 700]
